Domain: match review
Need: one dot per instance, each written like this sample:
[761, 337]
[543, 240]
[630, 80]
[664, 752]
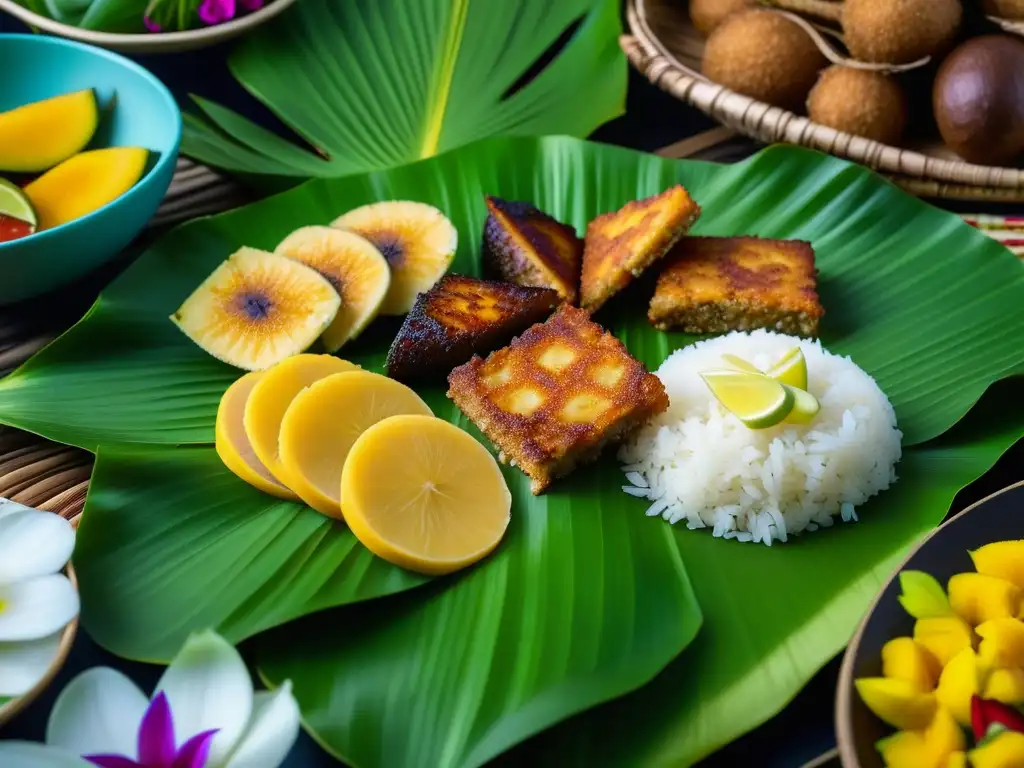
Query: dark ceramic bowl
[943, 554]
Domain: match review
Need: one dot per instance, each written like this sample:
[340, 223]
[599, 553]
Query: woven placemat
[39, 473]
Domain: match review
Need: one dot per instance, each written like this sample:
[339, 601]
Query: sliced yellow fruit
[38, 136]
[85, 183]
[256, 309]
[904, 749]
[943, 737]
[959, 681]
[791, 369]
[1002, 559]
[903, 658]
[978, 598]
[944, 636]
[956, 760]
[269, 400]
[755, 399]
[424, 495]
[1005, 750]
[233, 444]
[418, 241]
[324, 421]
[1002, 642]
[899, 703]
[1005, 685]
[353, 266]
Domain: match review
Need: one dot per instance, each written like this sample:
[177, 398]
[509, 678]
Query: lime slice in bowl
[755, 399]
[14, 203]
[791, 369]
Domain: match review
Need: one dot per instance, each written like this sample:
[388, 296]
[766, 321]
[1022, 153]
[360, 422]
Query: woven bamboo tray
[664, 47]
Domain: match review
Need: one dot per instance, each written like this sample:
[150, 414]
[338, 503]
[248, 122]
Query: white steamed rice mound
[699, 463]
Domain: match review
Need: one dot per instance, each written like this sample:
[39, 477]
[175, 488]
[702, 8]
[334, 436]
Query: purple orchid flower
[156, 743]
[217, 11]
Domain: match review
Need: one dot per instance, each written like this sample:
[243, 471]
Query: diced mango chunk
[944, 636]
[958, 683]
[903, 658]
[1003, 560]
[899, 703]
[1005, 750]
[957, 760]
[1006, 684]
[904, 749]
[943, 736]
[922, 596]
[1002, 642]
[978, 598]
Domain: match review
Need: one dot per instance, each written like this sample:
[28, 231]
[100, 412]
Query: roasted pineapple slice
[526, 246]
[353, 266]
[258, 308]
[417, 240]
[460, 317]
[619, 246]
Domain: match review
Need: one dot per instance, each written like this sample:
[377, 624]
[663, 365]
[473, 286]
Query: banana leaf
[371, 84]
[587, 599]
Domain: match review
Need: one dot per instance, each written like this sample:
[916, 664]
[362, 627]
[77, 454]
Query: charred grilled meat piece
[620, 245]
[526, 246]
[557, 395]
[721, 284]
[459, 317]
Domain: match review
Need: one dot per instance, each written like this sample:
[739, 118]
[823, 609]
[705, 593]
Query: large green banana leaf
[772, 618]
[373, 84]
[923, 302]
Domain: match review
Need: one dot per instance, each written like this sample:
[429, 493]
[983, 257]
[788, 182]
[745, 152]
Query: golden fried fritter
[557, 395]
[526, 246]
[459, 317]
[621, 245]
[721, 284]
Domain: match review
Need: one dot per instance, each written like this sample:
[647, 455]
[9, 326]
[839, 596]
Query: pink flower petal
[151, 25]
[156, 734]
[216, 11]
[195, 752]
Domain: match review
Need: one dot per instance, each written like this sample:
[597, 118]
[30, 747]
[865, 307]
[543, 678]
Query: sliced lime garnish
[791, 369]
[755, 399]
[740, 364]
[805, 406]
[14, 203]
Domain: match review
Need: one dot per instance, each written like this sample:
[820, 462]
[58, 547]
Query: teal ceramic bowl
[137, 110]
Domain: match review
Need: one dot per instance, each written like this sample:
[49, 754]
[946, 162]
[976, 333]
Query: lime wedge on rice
[791, 369]
[13, 203]
[755, 399]
[740, 364]
[805, 406]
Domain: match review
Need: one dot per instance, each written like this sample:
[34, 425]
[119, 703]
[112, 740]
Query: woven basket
[666, 48]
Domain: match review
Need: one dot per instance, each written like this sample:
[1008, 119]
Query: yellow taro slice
[324, 421]
[424, 495]
[233, 444]
[257, 308]
[418, 241]
[353, 266]
[269, 400]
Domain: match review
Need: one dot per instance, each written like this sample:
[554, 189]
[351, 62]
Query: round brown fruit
[708, 14]
[764, 55]
[856, 101]
[899, 31]
[1004, 9]
[978, 99]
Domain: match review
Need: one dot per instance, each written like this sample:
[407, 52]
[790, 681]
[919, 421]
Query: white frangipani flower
[36, 600]
[203, 714]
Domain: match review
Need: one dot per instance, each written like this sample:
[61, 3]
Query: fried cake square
[524, 245]
[721, 284]
[619, 246]
[557, 395]
[459, 317]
